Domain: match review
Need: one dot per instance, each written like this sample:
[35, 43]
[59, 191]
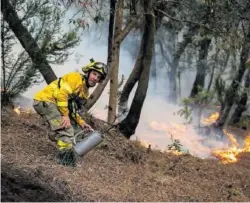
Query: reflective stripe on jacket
[70, 84]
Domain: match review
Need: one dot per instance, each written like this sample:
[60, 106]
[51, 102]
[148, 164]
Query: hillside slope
[117, 170]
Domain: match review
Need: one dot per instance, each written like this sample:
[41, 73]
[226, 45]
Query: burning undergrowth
[117, 170]
[167, 131]
[204, 142]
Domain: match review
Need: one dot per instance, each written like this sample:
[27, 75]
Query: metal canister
[88, 143]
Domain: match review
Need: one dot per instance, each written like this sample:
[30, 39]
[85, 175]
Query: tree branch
[130, 25]
[186, 21]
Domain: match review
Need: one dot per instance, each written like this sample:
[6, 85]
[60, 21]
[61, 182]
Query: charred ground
[117, 170]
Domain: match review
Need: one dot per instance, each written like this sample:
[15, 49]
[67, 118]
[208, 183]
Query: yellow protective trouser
[51, 114]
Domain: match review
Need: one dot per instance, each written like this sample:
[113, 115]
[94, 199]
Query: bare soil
[116, 170]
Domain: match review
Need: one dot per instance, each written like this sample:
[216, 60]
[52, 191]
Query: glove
[87, 126]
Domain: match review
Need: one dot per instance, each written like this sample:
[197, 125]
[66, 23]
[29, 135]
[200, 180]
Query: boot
[67, 157]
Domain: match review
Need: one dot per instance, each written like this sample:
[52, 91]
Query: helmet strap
[86, 77]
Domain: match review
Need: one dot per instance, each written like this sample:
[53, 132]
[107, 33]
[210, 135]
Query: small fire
[17, 110]
[227, 155]
[27, 111]
[172, 129]
[144, 143]
[195, 143]
[211, 119]
[232, 139]
[230, 155]
[20, 110]
[175, 152]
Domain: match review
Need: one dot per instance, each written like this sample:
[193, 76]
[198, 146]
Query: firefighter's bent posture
[53, 102]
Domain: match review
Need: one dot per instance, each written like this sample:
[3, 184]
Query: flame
[188, 137]
[247, 143]
[232, 139]
[211, 119]
[144, 143]
[174, 152]
[27, 111]
[20, 110]
[230, 155]
[227, 155]
[17, 110]
[173, 129]
[148, 145]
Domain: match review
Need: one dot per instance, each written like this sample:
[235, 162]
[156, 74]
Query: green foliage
[202, 96]
[186, 112]
[71, 36]
[199, 101]
[44, 21]
[175, 146]
[244, 122]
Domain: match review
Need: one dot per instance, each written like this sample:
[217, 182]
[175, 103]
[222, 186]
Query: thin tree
[129, 124]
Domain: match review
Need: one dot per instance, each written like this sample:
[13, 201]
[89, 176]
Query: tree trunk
[132, 80]
[211, 78]
[242, 104]
[213, 70]
[111, 29]
[3, 85]
[164, 54]
[219, 82]
[129, 124]
[187, 39]
[179, 85]
[239, 105]
[201, 67]
[27, 41]
[115, 63]
[99, 89]
[232, 92]
[111, 51]
[154, 66]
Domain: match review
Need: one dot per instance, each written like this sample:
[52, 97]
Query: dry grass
[117, 170]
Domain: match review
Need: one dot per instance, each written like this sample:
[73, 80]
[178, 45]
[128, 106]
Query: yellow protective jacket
[71, 84]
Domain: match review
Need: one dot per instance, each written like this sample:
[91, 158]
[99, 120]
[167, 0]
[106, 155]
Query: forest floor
[116, 170]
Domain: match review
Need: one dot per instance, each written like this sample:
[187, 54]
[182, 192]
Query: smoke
[159, 122]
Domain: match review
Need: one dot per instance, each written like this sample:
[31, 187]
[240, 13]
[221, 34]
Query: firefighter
[54, 104]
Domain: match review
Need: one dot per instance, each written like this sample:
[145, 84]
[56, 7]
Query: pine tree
[44, 22]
